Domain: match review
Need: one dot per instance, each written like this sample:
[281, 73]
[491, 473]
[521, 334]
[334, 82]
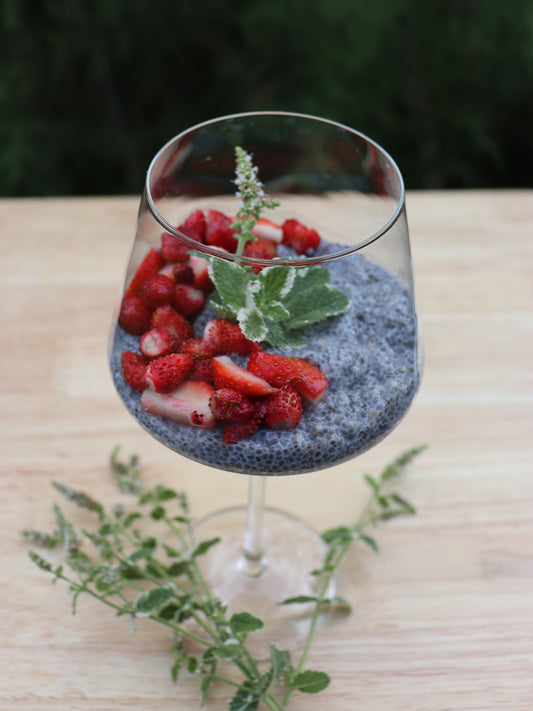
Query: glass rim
[277, 261]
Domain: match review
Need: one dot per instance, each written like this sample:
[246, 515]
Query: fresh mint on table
[275, 304]
[141, 575]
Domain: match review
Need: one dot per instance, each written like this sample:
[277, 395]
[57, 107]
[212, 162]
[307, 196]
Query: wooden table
[443, 616]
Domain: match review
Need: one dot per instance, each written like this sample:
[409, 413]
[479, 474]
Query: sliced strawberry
[202, 280]
[188, 300]
[194, 226]
[226, 337]
[134, 317]
[262, 248]
[168, 318]
[166, 373]
[302, 239]
[134, 368]
[236, 431]
[173, 249]
[266, 229]
[157, 342]
[201, 370]
[197, 348]
[183, 273]
[283, 409]
[227, 374]
[188, 404]
[150, 265]
[230, 405]
[157, 290]
[278, 370]
[218, 231]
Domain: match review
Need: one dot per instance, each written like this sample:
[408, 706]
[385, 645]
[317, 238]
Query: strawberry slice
[197, 348]
[199, 266]
[156, 291]
[168, 318]
[226, 337]
[133, 317]
[166, 373]
[188, 404]
[227, 374]
[236, 431]
[157, 342]
[218, 231]
[134, 368]
[188, 300]
[279, 370]
[149, 266]
[267, 229]
[262, 248]
[283, 409]
[230, 405]
[194, 226]
[302, 239]
[173, 249]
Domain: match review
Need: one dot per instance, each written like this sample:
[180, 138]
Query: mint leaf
[311, 682]
[252, 324]
[279, 337]
[244, 622]
[151, 601]
[231, 281]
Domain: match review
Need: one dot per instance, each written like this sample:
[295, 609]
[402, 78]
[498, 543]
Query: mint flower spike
[251, 194]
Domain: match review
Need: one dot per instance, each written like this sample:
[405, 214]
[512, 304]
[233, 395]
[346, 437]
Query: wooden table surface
[442, 618]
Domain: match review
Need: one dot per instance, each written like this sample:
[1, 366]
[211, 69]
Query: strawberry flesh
[188, 404]
[283, 409]
[166, 373]
[227, 374]
[279, 370]
[157, 342]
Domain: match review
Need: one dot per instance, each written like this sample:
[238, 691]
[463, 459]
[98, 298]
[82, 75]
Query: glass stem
[253, 561]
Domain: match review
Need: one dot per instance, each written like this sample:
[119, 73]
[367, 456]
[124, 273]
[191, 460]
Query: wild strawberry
[166, 373]
[266, 229]
[283, 409]
[227, 374]
[201, 370]
[226, 337]
[236, 431]
[188, 300]
[134, 369]
[197, 348]
[194, 226]
[157, 290]
[199, 266]
[218, 231]
[168, 318]
[262, 248]
[173, 249]
[278, 370]
[302, 239]
[134, 317]
[230, 405]
[182, 273]
[157, 342]
[149, 266]
[188, 404]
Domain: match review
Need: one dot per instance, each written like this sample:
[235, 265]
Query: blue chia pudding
[369, 354]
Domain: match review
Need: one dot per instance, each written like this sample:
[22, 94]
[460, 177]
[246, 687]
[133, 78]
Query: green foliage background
[90, 89]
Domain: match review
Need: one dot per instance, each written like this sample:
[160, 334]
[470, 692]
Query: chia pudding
[369, 354]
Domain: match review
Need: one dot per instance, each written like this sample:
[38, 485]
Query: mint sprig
[279, 301]
[142, 562]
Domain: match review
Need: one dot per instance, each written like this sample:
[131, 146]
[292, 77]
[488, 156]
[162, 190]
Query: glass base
[291, 551]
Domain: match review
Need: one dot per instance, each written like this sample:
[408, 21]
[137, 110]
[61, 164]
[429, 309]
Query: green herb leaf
[150, 601]
[244, 622]
[311, 682]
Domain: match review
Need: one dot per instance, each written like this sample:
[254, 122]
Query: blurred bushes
[90, 89]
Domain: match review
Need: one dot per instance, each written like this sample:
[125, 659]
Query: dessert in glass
[267, 326]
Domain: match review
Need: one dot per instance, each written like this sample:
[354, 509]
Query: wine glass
[332, 183]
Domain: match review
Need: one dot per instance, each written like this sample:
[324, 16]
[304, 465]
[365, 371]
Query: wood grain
[443, 616]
